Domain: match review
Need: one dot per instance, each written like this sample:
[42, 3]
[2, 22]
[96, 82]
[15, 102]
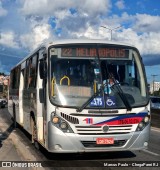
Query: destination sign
[92, 52]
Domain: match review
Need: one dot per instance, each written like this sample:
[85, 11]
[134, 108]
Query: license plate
[101, 141]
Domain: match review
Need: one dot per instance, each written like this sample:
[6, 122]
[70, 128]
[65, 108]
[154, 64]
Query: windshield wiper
[90, 99]
[98, 92]
[121, 94]
[119, 90]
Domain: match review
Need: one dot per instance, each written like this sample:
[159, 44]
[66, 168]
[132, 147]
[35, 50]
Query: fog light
[145, 144]
[63, 125]
[141, 125]
[57, 147]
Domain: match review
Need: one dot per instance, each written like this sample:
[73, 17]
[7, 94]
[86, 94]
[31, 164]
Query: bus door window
[15, 76]
[26, 71]
[32, 71]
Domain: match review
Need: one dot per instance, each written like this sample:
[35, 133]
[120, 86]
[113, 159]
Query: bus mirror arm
[43, 69]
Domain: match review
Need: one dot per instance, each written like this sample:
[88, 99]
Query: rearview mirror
[43, 69]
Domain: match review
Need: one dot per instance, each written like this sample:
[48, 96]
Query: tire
[34, 133]
[32, 130]
[14, 116]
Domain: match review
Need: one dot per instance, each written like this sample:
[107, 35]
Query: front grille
[103, 111]
[91, 144]
[70, 118]
[98, 130]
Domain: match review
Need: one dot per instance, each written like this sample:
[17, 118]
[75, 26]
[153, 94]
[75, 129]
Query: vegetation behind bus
[3, 87]
[3, 90]
[156, 93]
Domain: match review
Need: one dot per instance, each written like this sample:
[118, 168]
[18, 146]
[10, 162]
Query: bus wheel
[36, 144]
[14, 116]
[33, 130]
[34, 134]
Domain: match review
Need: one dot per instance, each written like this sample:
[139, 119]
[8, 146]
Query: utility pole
[154, 75]
[111, 29]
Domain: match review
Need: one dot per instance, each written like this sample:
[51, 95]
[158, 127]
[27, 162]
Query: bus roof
[68, 41]
[74, 41]
[86, 41]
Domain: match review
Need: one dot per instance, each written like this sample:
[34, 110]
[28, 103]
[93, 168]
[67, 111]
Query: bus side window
[26, 72]
[32, 72]
[15, 76]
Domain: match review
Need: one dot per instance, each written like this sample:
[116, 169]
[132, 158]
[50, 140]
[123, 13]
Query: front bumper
[60, 142]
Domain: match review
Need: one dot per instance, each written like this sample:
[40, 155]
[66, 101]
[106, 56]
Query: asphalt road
[94, 161]
[8, 150]
[155, 117]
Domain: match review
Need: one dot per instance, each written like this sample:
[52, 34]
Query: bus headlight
[143, 123]
[55, 119]
[60, 123]
[146, 119]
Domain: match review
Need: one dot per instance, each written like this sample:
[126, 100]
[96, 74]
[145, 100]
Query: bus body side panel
[13, 98]
[21, 119]
[40, 107]
[10, 103]
[26, 110]
[13, 103]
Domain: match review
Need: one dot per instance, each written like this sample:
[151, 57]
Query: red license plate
[102, 141]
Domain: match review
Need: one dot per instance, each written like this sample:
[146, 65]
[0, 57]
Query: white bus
[82, 96]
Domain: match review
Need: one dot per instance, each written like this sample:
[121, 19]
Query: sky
[25, 24]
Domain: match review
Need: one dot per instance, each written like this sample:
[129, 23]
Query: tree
[156, 93]
[2, 74]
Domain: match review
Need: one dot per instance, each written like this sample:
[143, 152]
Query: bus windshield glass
[78, 72]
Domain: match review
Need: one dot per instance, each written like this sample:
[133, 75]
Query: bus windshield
[77, 72]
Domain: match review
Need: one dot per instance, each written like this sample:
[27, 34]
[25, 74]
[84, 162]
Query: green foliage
[2, 74]
[156, 93]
